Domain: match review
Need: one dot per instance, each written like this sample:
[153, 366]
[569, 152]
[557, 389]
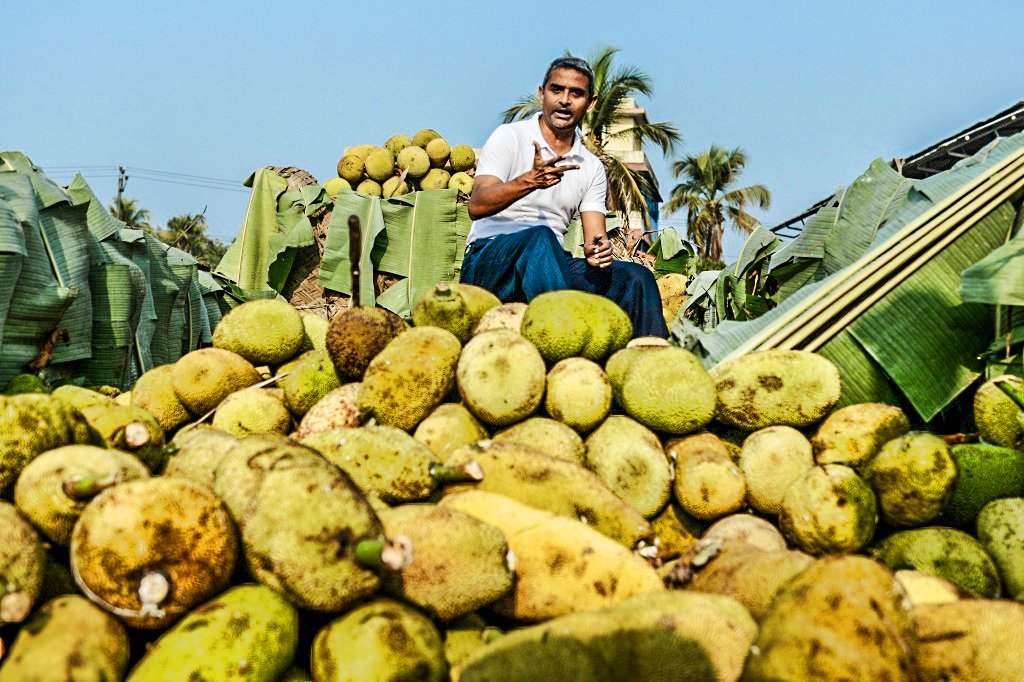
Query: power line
[189, 184]
[187, 176]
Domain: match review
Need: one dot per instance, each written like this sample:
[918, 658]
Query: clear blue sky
[813, 91]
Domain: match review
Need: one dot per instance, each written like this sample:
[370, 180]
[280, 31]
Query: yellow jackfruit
[338, 409]
[448, 427]
[263, 331]
[504, 316]
[913, 478]
[829, 509]
[397, 143]
[675, 531]
[195, 453]
[629, 459]
[501, 377]
[853, 434]
[253, 410]
[423, 137]
[997, 415]
[455, 307]
[462, 158]
[708, 485]
[351, 168]
[79, 397]
[22, 565]
[316, 331]
[753, 530]
[672, 288]
[569, 323]
[334, 185]
[771, 459]
[976, 639]
[32, 423]
[436, 178]
[379, 164]
[414, 160]
[438, 150]
[551, 437]
[154, 392]
[668, 390]
[578, 394]
[205, 377]
[131, 429]
[1001, 532]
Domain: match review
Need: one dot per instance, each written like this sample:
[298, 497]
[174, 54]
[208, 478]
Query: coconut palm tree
[188, 232]
[628, 189]
[711, 201]
[128, 210]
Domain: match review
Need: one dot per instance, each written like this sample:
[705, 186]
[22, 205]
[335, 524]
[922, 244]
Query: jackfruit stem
[82, 488]
[470, 472]
[444, 292]
[14, 607]
[153, 590]
[132, 437]
[391, 555]
[1012, 393]
[355, 254]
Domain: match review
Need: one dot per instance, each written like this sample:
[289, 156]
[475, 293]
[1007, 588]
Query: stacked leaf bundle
[423, 162]
[501, 492]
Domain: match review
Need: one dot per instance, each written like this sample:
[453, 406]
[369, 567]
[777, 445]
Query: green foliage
[129, 212]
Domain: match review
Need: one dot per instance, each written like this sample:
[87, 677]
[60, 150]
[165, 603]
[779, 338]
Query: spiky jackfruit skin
[945, 553]
[984, 473]
[771, 459]
[562, 565]
[39, 492]
[361, 151]
[242, 468]
[501, 377]
[78, 397]
[578, 394]
[338, 409]
[68, 639]
[264, 331]
[853, 434]
[205, 377]
[569, 323]
[351, 168]
[397, 143]
[505, 316]
[196, 453]
[675, 530]
[707, 484]
[357, 335]
[549, 436]
[668, 390]
[316, 332]
[661, 636]
[913, 478]
[460, 563]
[672, 288]
[253, 410]
[370, 188]
[380, 164]
[382, 460]
[154, 392]
[629, 459]
[448, 427]
[462, 158]
[775, 387]
[455, 307]
[844, 617]
[423, 137]
[335, 185]
[464, 636]
[32, 423]
[22, 565]
[249, 632]
[410, 377]
[436, 178]
[110, 423]
[394, 187]
[438, 150]
[308, 381]
[1001, 533]
[749, 529]
[171, 526]
[381, 640]
[997, 415]
[462, 182]
[415, 161]
[829, 509]
[26, 383]
[530, 477]
[973, 639]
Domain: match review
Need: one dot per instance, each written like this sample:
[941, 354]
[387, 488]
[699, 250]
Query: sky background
[812, 91]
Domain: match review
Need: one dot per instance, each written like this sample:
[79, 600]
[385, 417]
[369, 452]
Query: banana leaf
[335, 268]
[169, 284]
[248, 259]
[212, 293]
[463, 223]
[573, 239]
[101, 223]
[188, 307]
[998, 278]
[132, 244]
[12, 253]
[672, 254]
[294, 230]
[47, 193]
[864, 380]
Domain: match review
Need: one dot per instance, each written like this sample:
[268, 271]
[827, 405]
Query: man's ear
[593, 101]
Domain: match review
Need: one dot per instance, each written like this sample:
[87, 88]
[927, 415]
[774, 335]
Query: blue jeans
[521, 265]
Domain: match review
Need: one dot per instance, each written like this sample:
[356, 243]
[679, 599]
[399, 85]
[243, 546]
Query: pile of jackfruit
[500, 492]
[405, 164]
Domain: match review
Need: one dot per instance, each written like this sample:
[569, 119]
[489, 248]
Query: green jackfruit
[68, 639]
[195, 453]
[853, 434]
[438, 150]
[829, 509]
[462, 182]
[380, 164]
[397, 143]
[569, 323]
[944, 553]
[985, 473]
[578, 394]
[308, 381]
[415, 161]
[423, 137]
[205, 377]
[131, 429]
[549, 436]
[370, 188]
[771, 459]
[997, 415]
[334, 185]
[26, 383]
[316, 332]
[974, 639]
[501, 377]
[248, 633]
[154, 392]
[253, 410]
[629, 459]
[455, 307]
[505, 316]
[668, 390]
[448, 427]
[338, 409]
[32, 423]
[357, 335]
[913, 478]
[394, 187]
[619, 362]
[380, 640]
[462, 157]
[436, 178]
[78, 397]
[263, 331]
[22, 565]
[242, 468]
[351, 168]
[1001, 532]
[465, 636]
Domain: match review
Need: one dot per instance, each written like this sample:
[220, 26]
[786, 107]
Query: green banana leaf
[132, 244]
[573, 239]
[998, 278]
[101, 223]
[47, 192]
[248, 260]
[294, 230]
[12, 253]
[463, 223]
[672, 254]
[335, 268]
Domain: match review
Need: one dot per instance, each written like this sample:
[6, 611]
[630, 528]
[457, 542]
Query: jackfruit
[242, 468]
[54, 488]
[944, 553]
[296, 675]
[1001, 533]
[205, 377]
[78, 397]
[370, 188]
[448, 427]
[505, 316]
[628, 458]
[249, 632]
[351, 168]
[460, 564]
[410, 377]
[775, 387]
[568, 323]
[131, 429]
[656, 637]
[455, 307]
[997, 415]
[974, 639]
[68, 639]
[464, 636]
[556, 486]
[578, 394]
[334, 185]
[753, 530]
[380, 164]
[549, 436]
[501, 377]
[32, 423]
[771, 459]
[829, 509]
[315, 332]
[436, 178]
[380, 640]
[397, 143]
[423, 137]
[394, 187]
[195, 453]
[561, 565]
[253, 410]
[463, 158]
[22, 565]
[415, 161]
[672, 287]
[25, 383]
[154, 392]
[438, 150]
[984, 473]
[707, 485]
[675, 531]
[263, 331]
[913, 478]
[619, 362]
[357, 335]
[57, 578]
[308, 381]
[338, 409]
[842, 618]
[668, 390]
[150, 550]
[853, 434]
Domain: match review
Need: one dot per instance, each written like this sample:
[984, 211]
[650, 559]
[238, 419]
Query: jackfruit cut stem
[14, 607]
[82, 488]
[390, 555]
[1013, 394]
[132, 437]
[464, 473]
[153, 589]
[491, 634]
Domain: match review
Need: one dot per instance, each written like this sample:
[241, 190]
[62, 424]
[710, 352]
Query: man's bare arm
[596, 247]
[491, 195]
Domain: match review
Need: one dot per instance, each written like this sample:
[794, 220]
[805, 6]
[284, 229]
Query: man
[532, 178]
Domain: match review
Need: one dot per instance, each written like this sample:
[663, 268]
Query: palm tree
[128, 210]
[628, 189]
[710, 200]
[188, 232]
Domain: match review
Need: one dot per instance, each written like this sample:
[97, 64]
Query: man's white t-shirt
[508, 153]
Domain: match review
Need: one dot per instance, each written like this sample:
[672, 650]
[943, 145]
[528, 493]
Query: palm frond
[740, 219]
[630, 188]
[748, 196]
[663, 134]
[525, 107]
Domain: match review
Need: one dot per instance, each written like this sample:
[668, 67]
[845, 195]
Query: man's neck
[560, 141]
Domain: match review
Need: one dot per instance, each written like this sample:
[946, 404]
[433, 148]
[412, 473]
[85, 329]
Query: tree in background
[708, 195]
[628, 189]
[128, 211]
[188, 232]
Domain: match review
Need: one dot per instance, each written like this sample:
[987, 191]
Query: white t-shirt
[508, 153]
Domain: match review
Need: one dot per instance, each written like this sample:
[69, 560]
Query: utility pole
[121, 180]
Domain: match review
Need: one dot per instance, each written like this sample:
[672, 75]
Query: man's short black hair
[576, 64]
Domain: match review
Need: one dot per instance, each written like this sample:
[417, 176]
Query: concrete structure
[631, 152]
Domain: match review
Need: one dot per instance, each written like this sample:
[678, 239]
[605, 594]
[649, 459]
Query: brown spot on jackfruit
[770, 382]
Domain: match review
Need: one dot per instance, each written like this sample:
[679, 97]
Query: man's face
[565, 99]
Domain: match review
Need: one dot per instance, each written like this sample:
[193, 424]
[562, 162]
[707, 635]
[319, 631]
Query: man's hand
[545, 173]
[598, 251]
